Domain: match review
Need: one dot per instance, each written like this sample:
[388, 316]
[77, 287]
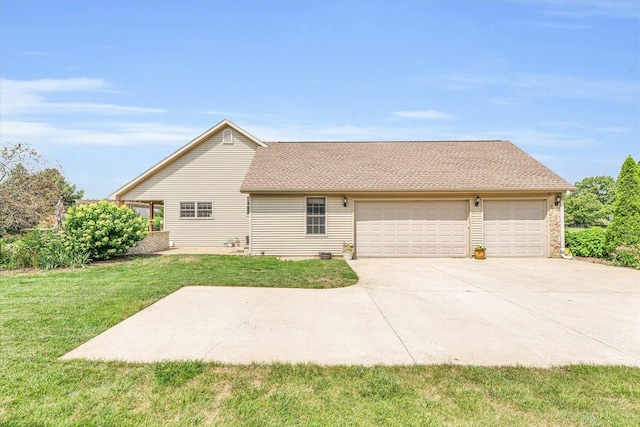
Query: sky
[106, 89]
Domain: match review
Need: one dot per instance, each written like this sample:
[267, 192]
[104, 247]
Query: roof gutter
[423, 191]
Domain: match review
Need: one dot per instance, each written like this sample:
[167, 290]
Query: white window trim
[196, 205]
[326, 216]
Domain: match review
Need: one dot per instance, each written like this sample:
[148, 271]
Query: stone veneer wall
[555, 229]
[154, 241]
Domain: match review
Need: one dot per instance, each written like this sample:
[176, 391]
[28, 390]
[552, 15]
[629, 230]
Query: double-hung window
[187, 209]
[205, 210]
[196, 210]
[316, 215]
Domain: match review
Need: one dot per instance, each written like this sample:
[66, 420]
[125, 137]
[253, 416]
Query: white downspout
[562, 248]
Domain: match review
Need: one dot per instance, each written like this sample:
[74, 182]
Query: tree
[67, 191]
[28, 191]
[585, 210]
[603, 187]
[625, 226]
[592, 203]
[18, 154]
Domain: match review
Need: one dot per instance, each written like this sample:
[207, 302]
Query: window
[187, 210]
[227, 136]
[316, 215]
[205, 210]
[248, 205]
[196, 210]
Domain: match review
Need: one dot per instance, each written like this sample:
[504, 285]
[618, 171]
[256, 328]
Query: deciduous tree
[592, 203]
[29, 191]
[585, 210]
[603, 187]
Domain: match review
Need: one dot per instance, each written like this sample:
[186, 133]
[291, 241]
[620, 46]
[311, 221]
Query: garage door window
[316, 215]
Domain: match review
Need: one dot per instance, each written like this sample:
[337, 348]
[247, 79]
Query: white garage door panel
[515, 228]
[411, 229]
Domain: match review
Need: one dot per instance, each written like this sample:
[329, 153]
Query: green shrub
[628, 255]
[7, 253]
[28, 249]
[103, 230]
[56, 253]
[589, 242]
[43, 249]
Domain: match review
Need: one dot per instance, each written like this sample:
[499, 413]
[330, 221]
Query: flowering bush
[628, 255]
[103, 230]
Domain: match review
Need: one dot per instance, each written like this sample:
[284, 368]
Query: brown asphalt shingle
[397, 167]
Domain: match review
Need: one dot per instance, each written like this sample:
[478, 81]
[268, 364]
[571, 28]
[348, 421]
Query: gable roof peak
[183, 150]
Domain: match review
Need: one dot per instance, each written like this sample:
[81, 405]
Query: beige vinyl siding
[476, 224]
[279, 221]
[210, 172]
[278, 226]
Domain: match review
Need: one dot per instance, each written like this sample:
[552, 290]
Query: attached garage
[515, 228]
[403, 199]
[412, 228]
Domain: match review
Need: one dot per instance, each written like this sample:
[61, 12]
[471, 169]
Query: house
[394, 199]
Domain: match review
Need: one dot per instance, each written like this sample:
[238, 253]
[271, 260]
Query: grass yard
[45, 314]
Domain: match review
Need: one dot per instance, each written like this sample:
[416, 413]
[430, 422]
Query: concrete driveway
[532, 312]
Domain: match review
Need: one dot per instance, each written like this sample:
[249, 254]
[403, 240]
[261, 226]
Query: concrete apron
[493, 312]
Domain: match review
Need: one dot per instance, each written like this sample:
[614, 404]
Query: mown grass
[44, 315]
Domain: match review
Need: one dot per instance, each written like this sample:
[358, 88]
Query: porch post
[150, 216]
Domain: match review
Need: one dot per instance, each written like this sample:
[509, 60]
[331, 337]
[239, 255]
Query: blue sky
[108, 88]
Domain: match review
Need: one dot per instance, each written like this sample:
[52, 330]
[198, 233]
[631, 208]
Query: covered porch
[153, 210]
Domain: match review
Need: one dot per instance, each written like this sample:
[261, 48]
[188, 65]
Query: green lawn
[44, 315]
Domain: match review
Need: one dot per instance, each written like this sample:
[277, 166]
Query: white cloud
[311, 132]
[559, 25]
[613, 129]
[529, 85]
[227, 114]
[624, 9]
[97, 134]
[423, 115]
[30, 111]
[524, 137]
[585, 127]
[53, 85]
[299, 131]
[36, 53]
[30, 97]
[506, 101]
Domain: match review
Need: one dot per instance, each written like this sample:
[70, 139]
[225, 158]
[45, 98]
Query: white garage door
[411, 229]
[515, 228]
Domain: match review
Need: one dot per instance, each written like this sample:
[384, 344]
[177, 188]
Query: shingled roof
[423, 166]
